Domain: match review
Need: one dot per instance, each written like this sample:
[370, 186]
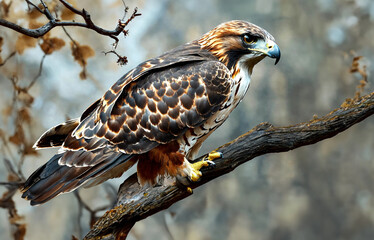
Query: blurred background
[323, 191]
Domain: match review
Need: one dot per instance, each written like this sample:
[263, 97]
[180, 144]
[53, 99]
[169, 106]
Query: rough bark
[135, 203]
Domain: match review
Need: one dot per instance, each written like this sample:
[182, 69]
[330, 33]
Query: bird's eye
[249, 39]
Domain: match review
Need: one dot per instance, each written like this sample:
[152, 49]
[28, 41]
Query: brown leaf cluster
[25, 97]
[4, 8]
[81, 53]
[17, 112]
[21, 117]
[18, 229]
[48, 45]
[23, 42]
[24, 114]
[34, 24]
[51, 44]
[34, 13]
[20, 232]
[360, 68]
[18, 136]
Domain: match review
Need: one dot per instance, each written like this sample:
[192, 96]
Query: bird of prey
[157, 115]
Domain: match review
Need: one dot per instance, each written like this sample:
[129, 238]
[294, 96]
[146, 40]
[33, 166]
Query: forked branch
[135, 203]
[54, 22]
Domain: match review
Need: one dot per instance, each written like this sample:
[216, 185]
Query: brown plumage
[158, 114]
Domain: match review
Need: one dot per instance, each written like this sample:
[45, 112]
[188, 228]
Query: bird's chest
[192, 139]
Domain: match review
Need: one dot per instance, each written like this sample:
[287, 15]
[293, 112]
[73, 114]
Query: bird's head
[238, 42]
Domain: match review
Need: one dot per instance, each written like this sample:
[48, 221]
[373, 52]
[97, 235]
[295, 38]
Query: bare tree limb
[54, 22]
[6, 59]
[39, 73]
[29, 3]
[135, 203]
[122, 60]
[6, 201]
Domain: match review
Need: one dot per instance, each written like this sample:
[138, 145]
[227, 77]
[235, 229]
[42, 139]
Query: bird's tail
[60, 175]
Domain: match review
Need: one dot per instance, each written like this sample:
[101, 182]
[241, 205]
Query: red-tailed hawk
[157, 115]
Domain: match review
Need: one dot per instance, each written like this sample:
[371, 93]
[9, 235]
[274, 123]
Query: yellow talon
[214, 155]
[198, 165]
[195, 167]
[189, 190]
[195, 174]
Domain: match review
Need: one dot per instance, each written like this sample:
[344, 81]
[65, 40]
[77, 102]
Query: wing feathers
[55, 136]
[158, 107]
[155, 103]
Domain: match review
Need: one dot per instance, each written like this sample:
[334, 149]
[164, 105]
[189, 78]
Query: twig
[6, 59]
[39, 72]
[74, 48]
[54, 22]
[122, 60]
[70, 7]
[136, 203]
[29, 3]
[11, 184]
[133, 15]
[46, 11]
[92, 212]
[70, 37]
[6, 202]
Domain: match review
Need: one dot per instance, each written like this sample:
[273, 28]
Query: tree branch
[53, 22]
[135, 203]
[6, 59]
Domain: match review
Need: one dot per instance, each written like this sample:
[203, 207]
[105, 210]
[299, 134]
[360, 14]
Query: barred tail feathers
[54, 178]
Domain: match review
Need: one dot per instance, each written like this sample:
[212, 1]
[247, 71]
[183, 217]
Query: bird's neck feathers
[229, 51]
[220, 47]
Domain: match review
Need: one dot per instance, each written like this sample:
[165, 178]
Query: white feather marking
[244, 78]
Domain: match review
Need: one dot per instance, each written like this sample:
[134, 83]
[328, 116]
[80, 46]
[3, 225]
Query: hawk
[157, 115]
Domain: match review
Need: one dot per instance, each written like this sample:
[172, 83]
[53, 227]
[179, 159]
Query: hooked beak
[268, 48]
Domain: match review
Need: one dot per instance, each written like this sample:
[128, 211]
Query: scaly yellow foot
[195, 173]
[189, 190]
[214, 155]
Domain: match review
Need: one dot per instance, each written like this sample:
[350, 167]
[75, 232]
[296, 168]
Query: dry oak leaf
[18, 136]
[24, 114]
[23, 42]
[50, 45]
[5, 8]
[29, 150]
[34, 24]
[20, 232]
[81, 53]
[25, 97]
[83, 74]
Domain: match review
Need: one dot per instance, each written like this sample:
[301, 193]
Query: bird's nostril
[270, 47]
